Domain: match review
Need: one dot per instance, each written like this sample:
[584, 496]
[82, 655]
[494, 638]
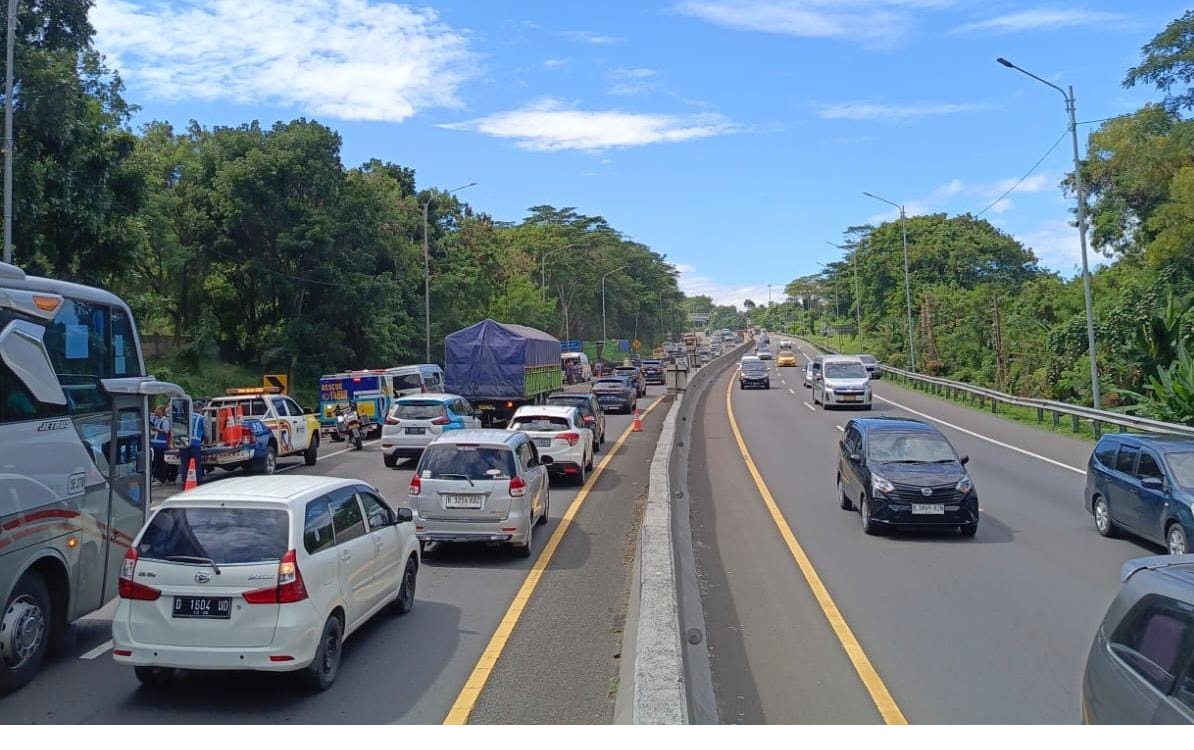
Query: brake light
[289, 589]
[572, 438]
[509, 404]
[127, 588]
[416, 485]
[441, 421]
[518, 488]
[392, 419]
[590, 419]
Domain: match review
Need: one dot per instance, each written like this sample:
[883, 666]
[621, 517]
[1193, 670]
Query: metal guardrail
[1096, 418]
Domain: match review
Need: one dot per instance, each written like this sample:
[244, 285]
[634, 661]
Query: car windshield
[1181, 465]
[226, 536]
[610, 383]
[754, 368]
[886, 446]
[539, 423]
[582, 403]
[845, 370]
[418, 410]
[461, 461]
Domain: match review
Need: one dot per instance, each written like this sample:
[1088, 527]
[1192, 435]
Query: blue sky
[735, 137]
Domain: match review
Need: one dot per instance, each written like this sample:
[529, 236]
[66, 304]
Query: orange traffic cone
[192, 480]
[638, 422]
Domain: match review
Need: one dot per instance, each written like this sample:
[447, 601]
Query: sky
[736, 137]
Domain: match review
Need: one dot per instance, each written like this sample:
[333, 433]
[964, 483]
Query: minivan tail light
[127, 588]
[441, 421]
[572, 438]
[416, 485]
[518, 488]
[289, 588]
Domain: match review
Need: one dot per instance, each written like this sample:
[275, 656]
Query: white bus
[74, 464]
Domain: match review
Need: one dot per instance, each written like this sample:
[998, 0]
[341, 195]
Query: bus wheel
[24, 632]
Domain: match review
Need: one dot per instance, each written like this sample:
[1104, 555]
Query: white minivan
[842, 381]
[580, 361]
[408, 380]
[261, 573]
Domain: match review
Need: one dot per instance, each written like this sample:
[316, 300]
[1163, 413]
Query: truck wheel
[24, 632]
[312, 454]
[268, 464]
[390, 461]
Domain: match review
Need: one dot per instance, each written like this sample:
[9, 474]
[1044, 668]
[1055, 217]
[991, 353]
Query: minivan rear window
[419, 410]
[459, 461]
[411, 381]
[227, 536]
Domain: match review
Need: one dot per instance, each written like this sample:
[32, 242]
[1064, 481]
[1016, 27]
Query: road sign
[636, 344]
[275, 381]
[571, 345]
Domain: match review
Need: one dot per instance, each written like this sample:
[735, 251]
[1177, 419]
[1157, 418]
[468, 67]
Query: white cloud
[882, 21]
[693, 283]
[592, 37]
[1033, 20]
[550, 125]
[864, 110]
[965, 197]
[633, 81]
[556, 62]
[1057, 246]
[347, 59]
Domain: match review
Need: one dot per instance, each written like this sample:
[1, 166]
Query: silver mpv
[480, 486]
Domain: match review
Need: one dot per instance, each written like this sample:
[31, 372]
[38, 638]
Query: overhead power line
[1027, 174]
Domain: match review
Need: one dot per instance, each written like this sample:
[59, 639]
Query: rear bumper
[514, 529]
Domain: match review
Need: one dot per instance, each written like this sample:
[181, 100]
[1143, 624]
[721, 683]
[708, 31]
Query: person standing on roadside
[194, 449]
[159, 442]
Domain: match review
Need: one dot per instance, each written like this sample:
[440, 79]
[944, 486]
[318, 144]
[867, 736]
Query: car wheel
[581, 475]
[24, 632]
[546, 508]
[525, 550]
[405, 601]
[155, 677]
[869, 527]
[390, 461]
[268, 464]
[841, 495]
[311, 455]
[590, 466]
[321, 673]
[1102, 517]
[969, 529]
[1176, 539]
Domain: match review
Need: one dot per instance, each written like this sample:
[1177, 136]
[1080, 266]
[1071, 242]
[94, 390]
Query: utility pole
[9, 45]
[907, 282]
[604, 333]
[427, 270]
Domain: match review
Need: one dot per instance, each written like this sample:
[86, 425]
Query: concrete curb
[670, 678]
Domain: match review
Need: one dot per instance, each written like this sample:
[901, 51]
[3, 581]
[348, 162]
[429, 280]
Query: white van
[411, 380]
[586, 370]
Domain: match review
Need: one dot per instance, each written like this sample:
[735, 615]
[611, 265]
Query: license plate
[486, 407]
[543, 442]
[919, 509]
[203, 607]
[850, 398]
[462, 502]
[416, 430]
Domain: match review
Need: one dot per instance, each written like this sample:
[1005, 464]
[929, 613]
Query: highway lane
[407, 669]
[989, 630]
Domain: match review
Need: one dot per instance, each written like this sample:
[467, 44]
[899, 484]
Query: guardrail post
[994, 406]
[1096, 427]
[1056, 420]
[1040, 415]
[1075, 418]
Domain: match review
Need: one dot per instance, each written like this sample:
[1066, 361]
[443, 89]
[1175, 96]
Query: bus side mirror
[23, 349]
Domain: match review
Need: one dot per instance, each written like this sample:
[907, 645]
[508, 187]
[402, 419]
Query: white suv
[558, 432]
[261, 573]
[414, 421]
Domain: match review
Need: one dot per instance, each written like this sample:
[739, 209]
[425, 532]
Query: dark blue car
[1143, 485]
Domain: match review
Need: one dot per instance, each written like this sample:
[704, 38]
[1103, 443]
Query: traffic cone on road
[192, 480]
[638, 422]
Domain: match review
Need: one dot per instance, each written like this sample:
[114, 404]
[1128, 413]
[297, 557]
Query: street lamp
[857, 294]
[907, 283]
[604, 334]
[8, 143]
[1071, 110]
[427, 271]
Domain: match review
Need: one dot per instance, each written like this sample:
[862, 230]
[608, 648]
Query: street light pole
[1071, 111]
[9, 44]
[427, 272]
[857, 294]
[907, 282]
[604, 333]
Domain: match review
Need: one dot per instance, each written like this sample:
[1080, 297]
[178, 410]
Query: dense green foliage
[984, 312]
[256, 247]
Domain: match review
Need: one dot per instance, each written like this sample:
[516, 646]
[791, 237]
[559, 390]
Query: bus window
[125, 362]
[77, 341]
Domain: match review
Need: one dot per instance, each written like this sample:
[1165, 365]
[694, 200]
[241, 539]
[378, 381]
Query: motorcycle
[348, 426]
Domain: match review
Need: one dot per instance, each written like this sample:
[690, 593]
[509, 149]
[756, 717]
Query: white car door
[389, 560]
[298, 425]
[356, 555]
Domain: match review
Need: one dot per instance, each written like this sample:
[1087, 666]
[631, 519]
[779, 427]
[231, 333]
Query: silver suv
[1141, 666]
[842, 381]
[481, 486]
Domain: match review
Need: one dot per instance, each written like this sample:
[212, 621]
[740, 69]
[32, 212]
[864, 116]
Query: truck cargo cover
[488, 359]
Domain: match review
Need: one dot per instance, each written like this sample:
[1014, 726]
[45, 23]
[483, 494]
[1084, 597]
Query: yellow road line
[463, 706]
[862, 665]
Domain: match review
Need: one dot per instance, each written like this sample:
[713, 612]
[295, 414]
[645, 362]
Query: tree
[1168, 63]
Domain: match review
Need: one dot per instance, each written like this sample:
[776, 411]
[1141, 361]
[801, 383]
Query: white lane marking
[993, 441]
[840, 428]
[98, 651]
[810, 406]
[791, 391]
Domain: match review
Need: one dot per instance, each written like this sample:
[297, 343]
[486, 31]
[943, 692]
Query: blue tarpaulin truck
[499, 367]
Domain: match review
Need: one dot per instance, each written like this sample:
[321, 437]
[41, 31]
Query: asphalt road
[993, 629]
[411, 669]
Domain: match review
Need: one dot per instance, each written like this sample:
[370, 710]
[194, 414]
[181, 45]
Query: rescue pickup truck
[251, 428]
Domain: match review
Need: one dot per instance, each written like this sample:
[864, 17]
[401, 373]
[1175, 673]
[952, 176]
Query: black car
[590, 410]
[752, 373]
[615, 392]
[903, 472]
[635, 376]
[872, 366]
[653, 372]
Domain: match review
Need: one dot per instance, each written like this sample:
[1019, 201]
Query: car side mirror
[546, 461]
[964, 460]
[856, 459]
[404, 515]
[1153, 483]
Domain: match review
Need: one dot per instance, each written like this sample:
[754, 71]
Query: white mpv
[261, 573]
